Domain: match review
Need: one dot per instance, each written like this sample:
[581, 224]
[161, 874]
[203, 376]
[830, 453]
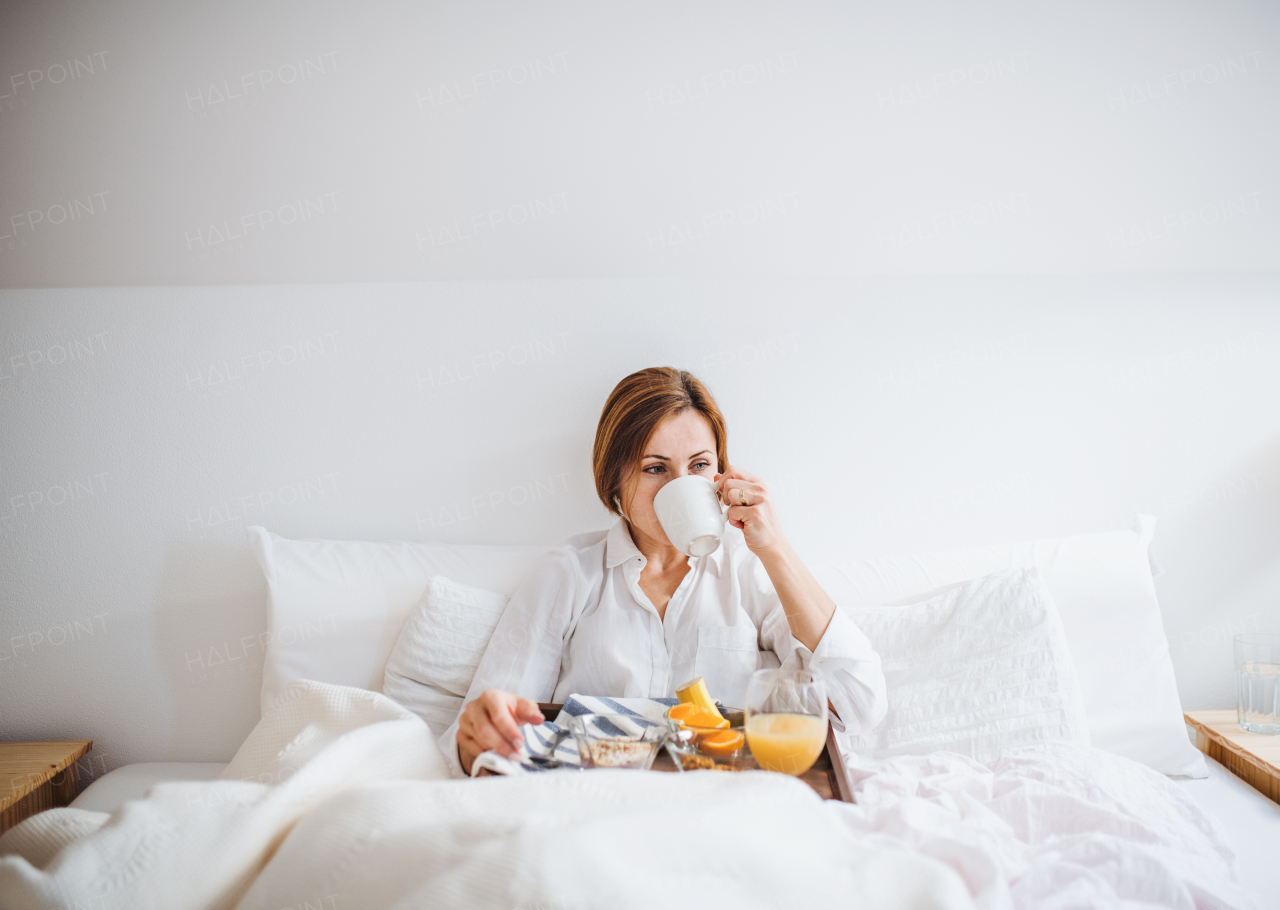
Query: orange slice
[691, 715]
[722, 743]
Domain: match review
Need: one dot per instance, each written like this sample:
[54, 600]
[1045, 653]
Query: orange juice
[789, 743]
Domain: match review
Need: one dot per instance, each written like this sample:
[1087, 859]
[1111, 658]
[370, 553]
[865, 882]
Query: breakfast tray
[827, 777]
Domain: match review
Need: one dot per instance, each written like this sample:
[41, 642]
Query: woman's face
[681, 445]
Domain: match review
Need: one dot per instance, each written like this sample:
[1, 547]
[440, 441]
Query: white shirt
[580, 624]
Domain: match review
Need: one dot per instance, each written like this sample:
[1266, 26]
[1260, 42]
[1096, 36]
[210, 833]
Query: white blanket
[201, 844]
[1050, 826]
[340, 800]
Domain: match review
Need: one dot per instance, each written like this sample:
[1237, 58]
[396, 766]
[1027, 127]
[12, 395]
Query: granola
[703, 763]
[614, 754]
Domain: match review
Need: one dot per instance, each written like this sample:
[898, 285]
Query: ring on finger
[742, 496]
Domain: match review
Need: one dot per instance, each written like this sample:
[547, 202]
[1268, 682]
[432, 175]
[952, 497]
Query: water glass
[1258, 682]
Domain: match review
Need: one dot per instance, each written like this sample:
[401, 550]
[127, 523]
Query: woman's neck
[658, 557]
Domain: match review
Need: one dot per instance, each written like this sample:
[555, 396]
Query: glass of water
[1258, 682]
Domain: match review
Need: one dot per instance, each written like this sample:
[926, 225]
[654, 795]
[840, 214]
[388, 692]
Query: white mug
[689, 511]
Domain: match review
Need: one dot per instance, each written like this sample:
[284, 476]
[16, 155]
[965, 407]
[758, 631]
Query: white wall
[890, 416]
[573, 190]
[445, 140]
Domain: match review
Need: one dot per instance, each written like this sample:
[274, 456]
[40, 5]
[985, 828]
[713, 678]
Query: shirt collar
[619, 547]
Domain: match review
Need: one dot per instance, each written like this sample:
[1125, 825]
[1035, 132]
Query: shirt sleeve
[844, 656]
[523, 656]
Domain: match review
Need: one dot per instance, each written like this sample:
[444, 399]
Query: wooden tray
[1252, 757]
[827, 776]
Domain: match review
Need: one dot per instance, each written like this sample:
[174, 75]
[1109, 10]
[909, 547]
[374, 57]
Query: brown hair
[636, 406]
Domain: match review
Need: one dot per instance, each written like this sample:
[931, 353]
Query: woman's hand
[750, 509]
[809, 608]
[493, 721]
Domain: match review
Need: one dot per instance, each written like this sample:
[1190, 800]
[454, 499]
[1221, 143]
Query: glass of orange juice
[786, 719]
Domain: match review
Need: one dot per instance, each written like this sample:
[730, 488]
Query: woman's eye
[702, 466]
[654, 469]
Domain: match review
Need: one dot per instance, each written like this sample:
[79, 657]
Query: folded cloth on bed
[540, 738]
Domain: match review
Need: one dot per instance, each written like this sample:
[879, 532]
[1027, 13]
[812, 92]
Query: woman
[624, 613]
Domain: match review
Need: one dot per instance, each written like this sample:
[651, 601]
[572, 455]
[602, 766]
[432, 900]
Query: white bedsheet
[339, 798]
[1051, 826]
[1252, 826]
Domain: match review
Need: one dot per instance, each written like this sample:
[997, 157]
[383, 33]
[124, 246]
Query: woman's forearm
[809, 608]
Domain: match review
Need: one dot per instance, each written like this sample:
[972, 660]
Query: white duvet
[1050, 826]
[339, 800]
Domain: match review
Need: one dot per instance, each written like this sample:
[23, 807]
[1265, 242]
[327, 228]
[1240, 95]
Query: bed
[341, 793]
[1250, 821]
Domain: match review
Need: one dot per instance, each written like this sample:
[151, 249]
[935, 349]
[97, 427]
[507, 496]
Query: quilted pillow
[1102, 587]
[439, 648]
[978, 668]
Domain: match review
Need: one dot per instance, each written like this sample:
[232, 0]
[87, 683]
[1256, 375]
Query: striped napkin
[543, 740]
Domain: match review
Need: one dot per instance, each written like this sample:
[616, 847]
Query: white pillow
[1102, 586]
[978, 669]
[337, 606]
[439, 648]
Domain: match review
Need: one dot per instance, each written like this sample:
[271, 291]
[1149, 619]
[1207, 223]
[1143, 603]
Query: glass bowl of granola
[617, 740]
[722, 749]
[694, 748]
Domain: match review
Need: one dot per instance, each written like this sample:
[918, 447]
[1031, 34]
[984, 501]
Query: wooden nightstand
[37, 776]
[1252, 757]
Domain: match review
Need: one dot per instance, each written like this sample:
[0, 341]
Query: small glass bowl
[617, 740]
[690, 750]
